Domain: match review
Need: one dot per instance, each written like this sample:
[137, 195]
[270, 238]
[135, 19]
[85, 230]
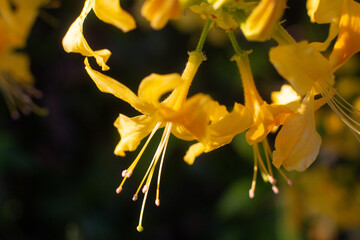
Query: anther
[251, 193]
[290, 182]
[129, 173]
[145, 188]
[135, 197]
[275, 189]
[157, 202]
[123, 174]
[272, 180]
[118, 190]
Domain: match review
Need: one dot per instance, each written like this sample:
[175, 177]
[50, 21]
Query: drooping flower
[310, 73]
[187, 119]
[265, 118]
[108, 11]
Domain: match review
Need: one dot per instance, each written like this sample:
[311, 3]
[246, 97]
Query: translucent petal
[259, 25]
[132, 131]
[347, 43]
[301, 65]
[297, 143]
[324, 11]
[110, 12]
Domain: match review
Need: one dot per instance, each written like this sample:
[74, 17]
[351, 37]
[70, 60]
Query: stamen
[123, 174]
[145, 189]
[140, 228]
[285, 177]
[135, 197]
[129, 173]
[275, 189]
[271, 180]
[253, 183]
[157, 202]
[118, 190]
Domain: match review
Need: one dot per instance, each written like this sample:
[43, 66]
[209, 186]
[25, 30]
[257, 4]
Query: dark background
[58, 174]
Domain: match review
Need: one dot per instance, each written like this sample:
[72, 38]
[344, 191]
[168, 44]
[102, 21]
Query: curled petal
[109, 85]
[74, 40]
[286, 96]
[159, 12]
[324, 11]
[132, 131]
[194, 151]
[110, 12]
[333, 32]
[154, 86]
[301, 65]
[297, 144]
[259, 25]
[347, 43]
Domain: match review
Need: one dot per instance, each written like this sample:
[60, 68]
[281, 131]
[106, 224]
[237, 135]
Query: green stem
[234, 43]
[204, 33]
[281, 36]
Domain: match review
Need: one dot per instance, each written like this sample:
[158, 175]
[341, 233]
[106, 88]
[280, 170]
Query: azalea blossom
[187, 119]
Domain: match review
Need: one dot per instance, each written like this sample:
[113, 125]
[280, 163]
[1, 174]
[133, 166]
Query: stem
[204, 33]
[234, 43]
[281, 36]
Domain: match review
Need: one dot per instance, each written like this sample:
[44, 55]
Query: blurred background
[58, 173]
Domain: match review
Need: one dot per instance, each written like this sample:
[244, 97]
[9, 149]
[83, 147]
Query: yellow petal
[301, 65]
[286, 96]
[333, 32]
[154, 86]
[297, 144]
[74, 40]
[324, 11]
[194, 151]
[259, 25]
[132, 131]
[268, 117]
[109, 85]
[159, 12]
[110, 12]
[347, 43]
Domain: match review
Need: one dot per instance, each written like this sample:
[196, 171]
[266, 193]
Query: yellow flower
[306, 69]
[265, 118]
[260, 24]
[347, 42]
[324, 11]
[185, 118]
[159, 12]
[297, 143]
[16, 80]
[223, 128]
[108, 11]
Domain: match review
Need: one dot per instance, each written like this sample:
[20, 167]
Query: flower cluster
[308, 67]
[16, 80]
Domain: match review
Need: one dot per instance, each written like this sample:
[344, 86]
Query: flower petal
[194, 151]
[324, 11]
[297, 144]
[158, 12]
[132, 131]
[301, 65]
[109, 85]
[347, 43]
[259, 25]
[110, 12]
[74, 40]
[155, 85]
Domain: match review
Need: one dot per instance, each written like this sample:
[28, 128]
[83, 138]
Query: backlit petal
[74, 40]
[109, 85]
[259, 25]
[347, 43]
[132, 131]
[301, 65]
[297, 144]
[324, 11]
[154, 86]
[159, 12]
[110, 12]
